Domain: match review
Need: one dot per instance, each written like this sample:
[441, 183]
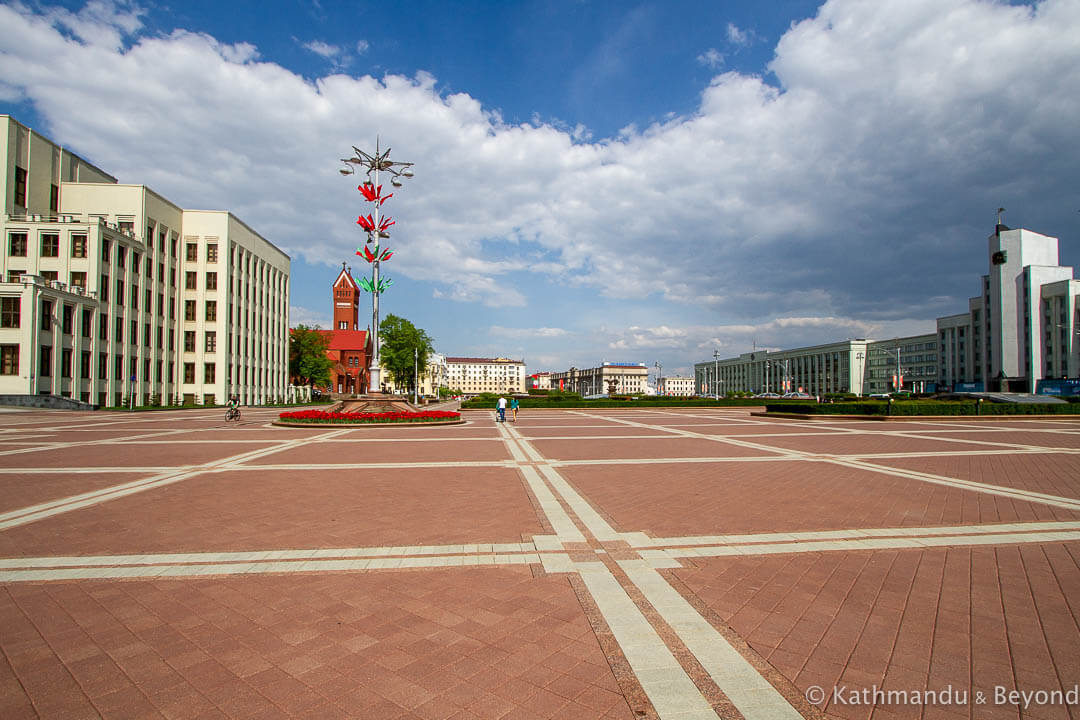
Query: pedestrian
[514, 407]
[501, 405]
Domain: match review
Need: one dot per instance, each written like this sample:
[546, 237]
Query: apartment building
[475, 375]
[113, 294]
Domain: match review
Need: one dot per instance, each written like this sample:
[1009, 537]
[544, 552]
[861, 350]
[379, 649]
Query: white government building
[112, 293]
[628, 378]
[1020, 335]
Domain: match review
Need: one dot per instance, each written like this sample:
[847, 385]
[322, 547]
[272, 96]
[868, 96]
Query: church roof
[345, 278]
[345, 339]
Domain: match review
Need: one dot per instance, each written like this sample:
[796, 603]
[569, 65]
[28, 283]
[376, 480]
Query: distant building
[111, 293]
[626, 378]
[475, 375]
[1021, 334]
[677, 386]
[1022, 329]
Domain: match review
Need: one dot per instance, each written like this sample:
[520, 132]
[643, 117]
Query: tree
[308, 364]
[399, 339]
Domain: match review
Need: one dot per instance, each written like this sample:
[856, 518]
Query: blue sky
[594, 180]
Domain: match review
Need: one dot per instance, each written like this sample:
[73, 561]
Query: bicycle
[232, 415]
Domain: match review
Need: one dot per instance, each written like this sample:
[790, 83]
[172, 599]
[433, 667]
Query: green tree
[399, 339]
[308, 364]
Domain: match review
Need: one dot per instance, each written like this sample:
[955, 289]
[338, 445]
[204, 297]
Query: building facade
[113, 294]
[539, 381]
[1022, 329]
[348, 347]
[627, 378]
[676, 386]
[475, 375]
[1020, 334]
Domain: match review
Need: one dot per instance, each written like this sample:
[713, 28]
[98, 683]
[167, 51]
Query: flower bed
[321, 417]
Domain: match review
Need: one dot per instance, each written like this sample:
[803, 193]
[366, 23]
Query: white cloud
[739, 37]
[362, 47]
[861, 186]
[711, 58]
[543, 332]
[311, 318]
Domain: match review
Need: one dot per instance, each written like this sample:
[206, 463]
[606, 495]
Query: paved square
[660, 563]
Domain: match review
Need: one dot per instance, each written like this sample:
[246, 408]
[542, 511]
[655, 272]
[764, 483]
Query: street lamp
[659, 375]
[376, 229]
[716, 374]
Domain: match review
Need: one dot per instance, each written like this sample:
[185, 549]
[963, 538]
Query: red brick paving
[397, 452]
[638, 448]
[1051, 473]
[22, 490]
[279, 509]
[864, 444]
[486, 643]
[908, 620]
[512, 642]
[163, 454]
[780, 496]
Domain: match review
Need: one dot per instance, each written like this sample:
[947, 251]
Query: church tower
[346, 301]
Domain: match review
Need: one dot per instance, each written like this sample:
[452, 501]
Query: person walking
[501, 405]
[514, 407]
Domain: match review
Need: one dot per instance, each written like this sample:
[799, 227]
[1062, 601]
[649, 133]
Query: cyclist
[233, 413]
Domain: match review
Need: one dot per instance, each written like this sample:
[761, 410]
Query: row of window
[9, 365]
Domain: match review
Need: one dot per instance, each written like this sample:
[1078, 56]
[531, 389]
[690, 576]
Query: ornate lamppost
[377, 228]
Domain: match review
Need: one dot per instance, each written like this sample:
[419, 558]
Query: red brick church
[350, 347]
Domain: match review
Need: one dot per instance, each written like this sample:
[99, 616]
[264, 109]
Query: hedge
[578, 403]
[926, 407]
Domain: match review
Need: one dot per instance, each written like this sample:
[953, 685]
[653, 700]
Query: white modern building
[1020, 334]
[1021, 331]
[627, 378]
[112, 294]
[475, 375]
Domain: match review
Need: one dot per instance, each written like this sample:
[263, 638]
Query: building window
[46, 315]
[209, 372]
[10, 310]
[211, 281]
[65, 363]
[78, 279]
[121, 255]
[50, 245]
[9, 359]
[68, 314]
[211, 341]
[189, 309]
[135, 258]
[78, 246]
[161, 272]
[211, 310]
[118, 330]
[118, 367]
[133, 338]
[103, 366]
[147, 334]
[189, 372]
[106, 248]
[126, 226]
[45, 361]
[103, 327]
[211, 253]
[14, 276]
[192, 252]
[190, 281]
[20, 186]
[54, 198]
[120, 292]
[17, 244]
[134, 297]
[50, 275]
[189, 341]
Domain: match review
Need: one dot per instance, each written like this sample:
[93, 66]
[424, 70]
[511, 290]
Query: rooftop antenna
[1000, 215]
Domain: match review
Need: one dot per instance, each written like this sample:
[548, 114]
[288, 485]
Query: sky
[594, 181]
